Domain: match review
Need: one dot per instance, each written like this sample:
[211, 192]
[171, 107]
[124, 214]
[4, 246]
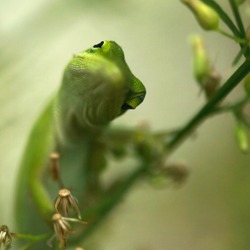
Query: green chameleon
[97, 87]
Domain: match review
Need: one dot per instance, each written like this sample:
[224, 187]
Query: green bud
[247, 84]
[205, 15]
[242, 136]
[201, 65]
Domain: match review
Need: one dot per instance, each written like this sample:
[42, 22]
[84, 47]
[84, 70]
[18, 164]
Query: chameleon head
[98, 85]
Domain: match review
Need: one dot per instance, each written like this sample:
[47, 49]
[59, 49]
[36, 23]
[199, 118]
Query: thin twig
[235, 9]
[205, 111]
[110, 202]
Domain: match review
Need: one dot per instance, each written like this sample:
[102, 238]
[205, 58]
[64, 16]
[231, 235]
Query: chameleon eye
[99, 45]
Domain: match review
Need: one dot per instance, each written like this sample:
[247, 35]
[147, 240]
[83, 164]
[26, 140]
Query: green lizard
[97, 87]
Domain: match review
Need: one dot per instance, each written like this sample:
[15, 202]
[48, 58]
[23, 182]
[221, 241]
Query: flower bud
[5, 237]
[242, 136]
[201, 64]
[205, 15]
[66, 201]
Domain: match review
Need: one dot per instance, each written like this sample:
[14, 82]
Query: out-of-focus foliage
[211, 210]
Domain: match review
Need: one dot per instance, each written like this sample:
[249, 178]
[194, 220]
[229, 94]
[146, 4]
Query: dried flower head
[54, 166]
[5, 236]
[211, 83]
[178, 172]
[65, 201]
[62, 229]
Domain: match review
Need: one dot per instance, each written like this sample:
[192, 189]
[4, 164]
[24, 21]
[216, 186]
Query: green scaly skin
[97, 87]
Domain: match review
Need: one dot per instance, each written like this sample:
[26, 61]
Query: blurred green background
[212, 209]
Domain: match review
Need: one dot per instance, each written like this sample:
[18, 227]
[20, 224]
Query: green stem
[242, 34]
[243, 51]
[234, 107]
[227, 20]
[110, 202]
[207, 109]
[237, 17]
[235, 38]
[31, 237]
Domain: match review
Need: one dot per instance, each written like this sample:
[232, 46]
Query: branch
[113, 200]
[237, 17]
[208, 108]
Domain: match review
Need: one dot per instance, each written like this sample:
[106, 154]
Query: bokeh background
[212, 209]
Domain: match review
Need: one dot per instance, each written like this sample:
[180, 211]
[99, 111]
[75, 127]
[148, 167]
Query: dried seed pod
[54, 166]
[211, 83]
[66, 201]
[5, 236]
[62, 229]
[177, 171]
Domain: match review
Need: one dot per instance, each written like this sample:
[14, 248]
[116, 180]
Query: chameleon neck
[68, 127]
[82, 152]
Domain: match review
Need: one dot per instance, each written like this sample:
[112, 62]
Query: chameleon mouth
[126, 107]
[133, 102]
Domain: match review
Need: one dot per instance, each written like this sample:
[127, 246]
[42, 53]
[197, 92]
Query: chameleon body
[97, 87]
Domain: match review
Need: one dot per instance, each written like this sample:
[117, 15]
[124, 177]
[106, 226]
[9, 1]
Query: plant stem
[237, 17]
[110, 202]
[241, 34]
[208, 108]
[31, 237]
[236, 39]
[234, 107]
